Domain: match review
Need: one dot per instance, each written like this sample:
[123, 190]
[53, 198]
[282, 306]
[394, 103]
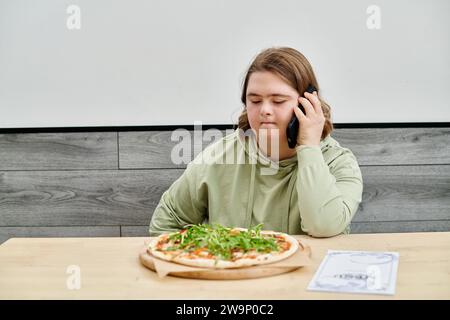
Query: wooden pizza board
[224, 274]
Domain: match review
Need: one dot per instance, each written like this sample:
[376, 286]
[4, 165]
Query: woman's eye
[276, 102]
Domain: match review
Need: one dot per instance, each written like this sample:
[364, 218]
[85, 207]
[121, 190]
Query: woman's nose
[266, 108]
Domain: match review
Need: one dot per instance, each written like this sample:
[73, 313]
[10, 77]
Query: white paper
[357, 272]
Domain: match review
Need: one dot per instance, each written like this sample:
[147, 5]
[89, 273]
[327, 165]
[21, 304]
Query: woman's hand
[311, 124]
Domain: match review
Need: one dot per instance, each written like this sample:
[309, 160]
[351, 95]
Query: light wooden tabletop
[109, 268]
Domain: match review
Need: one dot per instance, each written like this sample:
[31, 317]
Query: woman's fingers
[309, 108]
[314, 99]
[298, 113]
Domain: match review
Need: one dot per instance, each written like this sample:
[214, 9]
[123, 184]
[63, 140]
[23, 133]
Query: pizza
[216, 246]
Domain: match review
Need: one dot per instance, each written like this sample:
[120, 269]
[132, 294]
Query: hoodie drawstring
[251, 197]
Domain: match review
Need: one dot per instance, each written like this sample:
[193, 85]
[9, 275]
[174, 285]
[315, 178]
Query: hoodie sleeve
[185, 202]
[328, 196]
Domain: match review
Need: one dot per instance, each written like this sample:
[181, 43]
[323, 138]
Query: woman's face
[270, 102]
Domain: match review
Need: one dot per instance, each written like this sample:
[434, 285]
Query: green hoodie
[316, 192]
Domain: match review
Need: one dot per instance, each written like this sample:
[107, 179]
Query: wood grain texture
[65, 198]
[110, 269]
[398, 226]
[395, 146]
[396, 193]
[52, 232]
[154, 149]
[135, 231]
[128, 197]
[58, 151]
[146, 150]
[73, 179]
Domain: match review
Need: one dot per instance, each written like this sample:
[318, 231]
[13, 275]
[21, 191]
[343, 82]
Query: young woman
[314, 188]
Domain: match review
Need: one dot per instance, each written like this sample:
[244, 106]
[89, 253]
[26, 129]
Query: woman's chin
[272, 135]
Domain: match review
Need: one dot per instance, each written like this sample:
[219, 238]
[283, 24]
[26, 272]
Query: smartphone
[293, 126]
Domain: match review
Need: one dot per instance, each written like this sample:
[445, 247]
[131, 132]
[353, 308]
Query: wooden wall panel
[395, 146]
[396, 193]
[58, 151]
[135, 231]
[78, 198]
[153, 149]
[128, 197]
[400, 226]
[108, 183]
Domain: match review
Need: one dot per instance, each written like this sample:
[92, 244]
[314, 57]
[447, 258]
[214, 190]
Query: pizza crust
[181, 257]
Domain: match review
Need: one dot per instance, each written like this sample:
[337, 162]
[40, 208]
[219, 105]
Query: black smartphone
[293, 126]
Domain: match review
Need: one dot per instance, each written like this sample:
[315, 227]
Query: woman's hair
[294, 69]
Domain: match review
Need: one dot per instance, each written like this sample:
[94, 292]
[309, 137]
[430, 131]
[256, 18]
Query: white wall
[175, 62]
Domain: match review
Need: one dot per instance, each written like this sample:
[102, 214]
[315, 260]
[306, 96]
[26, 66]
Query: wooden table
[36, 268]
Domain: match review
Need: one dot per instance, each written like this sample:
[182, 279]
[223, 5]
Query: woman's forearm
[328, 198]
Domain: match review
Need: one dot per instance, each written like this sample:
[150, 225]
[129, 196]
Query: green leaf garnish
[223, 241]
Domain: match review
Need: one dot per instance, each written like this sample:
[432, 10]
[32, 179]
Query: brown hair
[292, 67]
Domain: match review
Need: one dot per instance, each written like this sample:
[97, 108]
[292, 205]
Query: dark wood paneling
[58, 151]
[395, 193]
[397, 146]
[65, 198]
[46, 232]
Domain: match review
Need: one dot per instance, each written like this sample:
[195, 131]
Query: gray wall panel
[66, 184]
[65, 198]
[58, 151]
